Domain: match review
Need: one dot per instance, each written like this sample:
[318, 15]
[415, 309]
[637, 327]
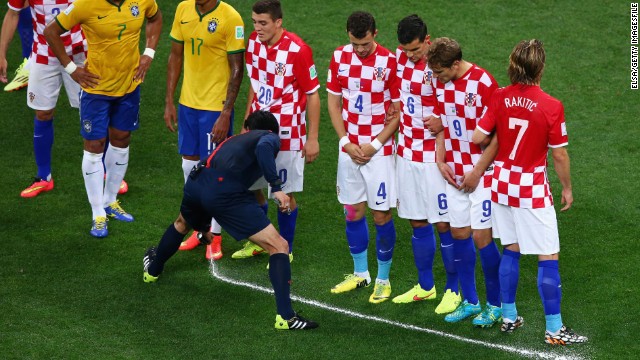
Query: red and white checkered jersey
[527, 122]
[42, 13]
[460, 104]
[367, 87]
[415, 142]
[281, 77]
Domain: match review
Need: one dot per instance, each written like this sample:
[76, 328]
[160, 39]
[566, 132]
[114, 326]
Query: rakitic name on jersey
[520, 102]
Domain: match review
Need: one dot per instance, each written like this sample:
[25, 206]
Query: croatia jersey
[281, 76]
[113, 37]
[42, 13]
[208, 39]
[460, 104]
[415, 80]
[367, 86]
[527, 122]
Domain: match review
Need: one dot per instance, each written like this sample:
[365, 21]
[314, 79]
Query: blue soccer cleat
[489, 316]
[99, 228]
[114, 210]
[463, 311]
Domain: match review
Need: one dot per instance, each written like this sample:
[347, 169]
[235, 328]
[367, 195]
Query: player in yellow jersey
[208, 41]
[110, 96]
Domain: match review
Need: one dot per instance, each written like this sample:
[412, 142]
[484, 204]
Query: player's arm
[78, 73]
[152, 30]
[334, 103]
[445, 169]
[9, 25]
[480, 138]
[389, 129]
[221, 126]
[471, 179]
[250, 96]
[174, 68]
[561, 165]
[312, 146]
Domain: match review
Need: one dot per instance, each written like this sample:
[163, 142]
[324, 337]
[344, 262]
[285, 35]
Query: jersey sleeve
[16, 5]
[235, 34]
[176, 33]
[333, 85]
[394, 81]
[487, 122]
[152, 9]
[558, 128]
[304, 70]
[73, 15]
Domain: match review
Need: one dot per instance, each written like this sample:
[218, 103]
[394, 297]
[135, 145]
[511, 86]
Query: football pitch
[67, 295]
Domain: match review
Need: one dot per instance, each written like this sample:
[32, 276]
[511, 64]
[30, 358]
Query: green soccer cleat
[248, 250]
[350, 282]
[20, 80]
[564, 337]
[297, 322]
[449, 302]
[489, 316]
[417, 293]
[463, 311]
[381, 293]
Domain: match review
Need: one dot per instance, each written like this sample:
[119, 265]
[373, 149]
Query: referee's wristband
[344, 141]
[149, 52]
[70, 68]
[376, 144]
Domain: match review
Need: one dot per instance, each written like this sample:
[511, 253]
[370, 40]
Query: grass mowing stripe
[213, 269]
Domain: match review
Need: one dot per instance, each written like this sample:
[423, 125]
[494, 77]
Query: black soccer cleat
[148, 258]
[564, 337]
[509, 327]
[297, 322]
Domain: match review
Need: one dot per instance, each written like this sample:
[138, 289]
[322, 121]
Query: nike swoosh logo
[384, 252]
[37, 136]
[450, 245]
[443, 213]
[484, 220]
[342, 70]
[380, 203]
[119, 164]
[184, 22]
[457, 260]
[418, 298]
[89, 173]
[102, 17]
[439, 95]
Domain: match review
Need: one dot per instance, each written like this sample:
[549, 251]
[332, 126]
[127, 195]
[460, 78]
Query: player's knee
[181, 225]
[381, 217]
[44, 115]
[460, 233]
[94, 146]
[442, 227]
[482, 238]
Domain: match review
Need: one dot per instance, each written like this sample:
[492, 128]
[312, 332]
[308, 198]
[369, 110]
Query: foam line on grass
[215, 272]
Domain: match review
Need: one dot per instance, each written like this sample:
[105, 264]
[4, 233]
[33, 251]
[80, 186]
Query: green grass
[66, 295]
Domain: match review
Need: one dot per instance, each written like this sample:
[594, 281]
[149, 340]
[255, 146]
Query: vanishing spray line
[510, 349]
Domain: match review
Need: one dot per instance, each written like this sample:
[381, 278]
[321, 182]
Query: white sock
[215, 227]
[364, 275]
[187, 165]
[93, 174]
[116, 161]
[382, 282]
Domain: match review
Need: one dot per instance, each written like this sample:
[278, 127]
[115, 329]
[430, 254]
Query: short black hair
[271, 7]
[410, 28]
[262, 120]
[359, 23]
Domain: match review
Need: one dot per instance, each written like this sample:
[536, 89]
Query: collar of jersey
[208, 12]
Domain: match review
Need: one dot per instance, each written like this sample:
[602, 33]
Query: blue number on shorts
[55, 11]
[457, 127]
[410, 107]
[486, 206]
[382, 191]
[442, 201]
[283, 175]
[264, 96]
[358, 104]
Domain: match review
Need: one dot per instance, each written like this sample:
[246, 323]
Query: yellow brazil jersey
[208, 39]
[113, 37]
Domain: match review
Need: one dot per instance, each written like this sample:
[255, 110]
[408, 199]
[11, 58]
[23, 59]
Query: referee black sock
[280, 276]
[168, 246]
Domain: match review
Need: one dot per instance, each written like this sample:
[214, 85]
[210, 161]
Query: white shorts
[373, 182]
[421, 191]
[470, 209]
[534, 230]
[44, 86]
[290, 167]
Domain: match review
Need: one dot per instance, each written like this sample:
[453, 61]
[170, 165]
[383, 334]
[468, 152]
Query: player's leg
[25, 31]
[124, 118]
[290, 165]
[249, 248]
[156, 256]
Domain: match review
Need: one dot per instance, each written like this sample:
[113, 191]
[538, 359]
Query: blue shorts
[100, 112]
[194, 127]
[212, 194]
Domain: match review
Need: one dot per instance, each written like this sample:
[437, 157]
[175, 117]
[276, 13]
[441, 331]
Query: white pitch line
[510, 349]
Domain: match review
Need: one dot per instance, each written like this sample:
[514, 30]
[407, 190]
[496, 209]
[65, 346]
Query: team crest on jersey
[379, 73]
[135, 9]
[32, 96]
[212, 26]
[86, 125]
[470, 99]
[426, 79]
[280, 69]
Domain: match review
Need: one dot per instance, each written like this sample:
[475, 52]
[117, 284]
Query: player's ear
[278, 23]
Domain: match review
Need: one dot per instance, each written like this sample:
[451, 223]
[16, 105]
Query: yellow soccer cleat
[449, 302]
[381, 292]
[415, 294]
[20, 80]
[250, 249]
[350, 282]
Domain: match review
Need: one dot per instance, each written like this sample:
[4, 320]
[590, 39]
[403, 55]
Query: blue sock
[490, 259]
[265, 208]
[358, 239]
[509, 311]
[465, 260]
[280, 276]
[42, 145]
[550, 292]
[287, 225]
[509, 274]
[424, 248]
[385, 242]
[168, 246]
[446, 249]
[25, 30]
